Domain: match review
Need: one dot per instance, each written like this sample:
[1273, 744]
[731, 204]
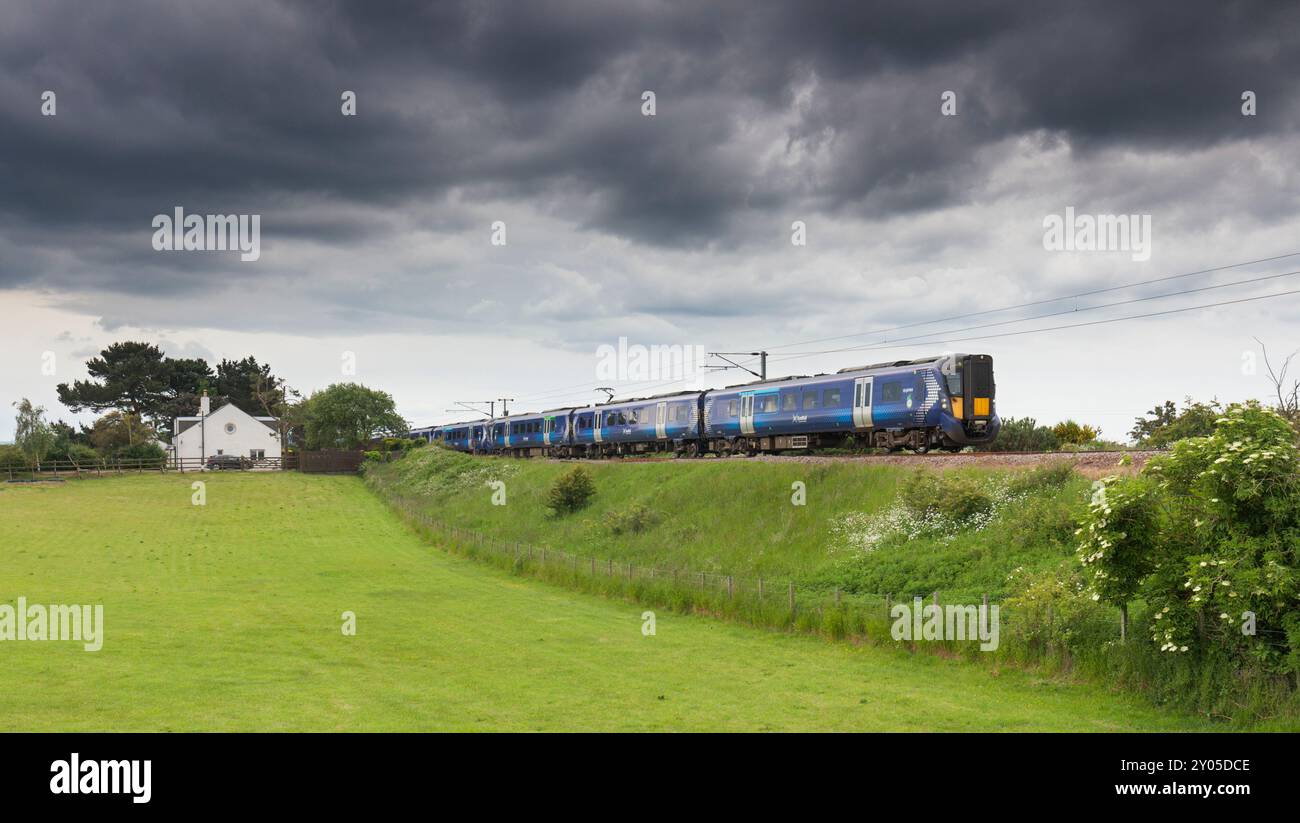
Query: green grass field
[228, 616]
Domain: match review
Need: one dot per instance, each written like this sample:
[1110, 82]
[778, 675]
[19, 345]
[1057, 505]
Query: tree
[116, 431]
[1023, 435]
[187, 379]
[1075, 433]
[1288, 396]
[250, 386]
[1168, 425]
[132, 377]
[33, 435]
[1119, 540]
[347, 415]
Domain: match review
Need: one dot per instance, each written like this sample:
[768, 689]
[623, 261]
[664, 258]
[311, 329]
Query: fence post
[730, 587]
[791, 597]
[629, 570]
[593, 565]
[760, 590]
[609, 567]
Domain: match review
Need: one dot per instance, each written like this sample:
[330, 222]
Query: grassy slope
[736, 517]
[226, 617]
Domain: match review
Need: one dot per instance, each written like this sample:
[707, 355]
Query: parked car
[221, 462]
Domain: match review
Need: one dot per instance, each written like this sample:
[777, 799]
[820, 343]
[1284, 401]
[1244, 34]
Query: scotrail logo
[77, 776]
[83, 624]
[951, 622]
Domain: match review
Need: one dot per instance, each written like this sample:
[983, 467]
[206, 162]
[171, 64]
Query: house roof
[184, 423]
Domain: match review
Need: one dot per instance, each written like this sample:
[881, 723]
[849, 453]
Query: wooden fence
[331, 461]
[63, 469]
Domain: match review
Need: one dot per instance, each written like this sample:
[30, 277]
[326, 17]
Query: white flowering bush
[929, 506]
[1118, 539]
[1208, 533]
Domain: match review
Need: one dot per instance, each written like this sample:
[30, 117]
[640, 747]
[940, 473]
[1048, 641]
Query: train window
[767, 403]
[810, 400]
[788, 402]
[731, 408]
[831, 399]
[954, 384]
[891, 392]
[684, 413]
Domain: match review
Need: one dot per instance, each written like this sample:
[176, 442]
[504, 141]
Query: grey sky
[666, 229]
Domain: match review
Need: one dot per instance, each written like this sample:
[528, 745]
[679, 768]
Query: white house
[228, 430]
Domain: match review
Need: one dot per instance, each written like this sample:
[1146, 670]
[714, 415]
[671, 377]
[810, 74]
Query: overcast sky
[676, 228]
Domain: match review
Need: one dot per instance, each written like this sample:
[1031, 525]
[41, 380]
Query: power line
[796, 355]
[1032, 303]
[1092, 322]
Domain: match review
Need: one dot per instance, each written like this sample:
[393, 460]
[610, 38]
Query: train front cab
[972, 414]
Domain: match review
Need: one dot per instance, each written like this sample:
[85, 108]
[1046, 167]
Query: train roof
[893, 364]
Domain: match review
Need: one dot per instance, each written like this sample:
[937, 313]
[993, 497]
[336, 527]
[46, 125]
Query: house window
[230, 428]
[257, 454]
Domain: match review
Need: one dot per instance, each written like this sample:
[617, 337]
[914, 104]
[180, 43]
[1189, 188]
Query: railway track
[1090, 462]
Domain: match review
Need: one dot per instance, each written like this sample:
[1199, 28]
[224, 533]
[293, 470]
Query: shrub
[571, 491]
[1047, 476]
[632, 520]
[952, 497]
[140, 451]
[12, 457]
[1023, 435]
[376, 456]
[78, 453]
[1075, 433]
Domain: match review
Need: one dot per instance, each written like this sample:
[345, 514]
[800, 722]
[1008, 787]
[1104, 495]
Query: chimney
[205, 405]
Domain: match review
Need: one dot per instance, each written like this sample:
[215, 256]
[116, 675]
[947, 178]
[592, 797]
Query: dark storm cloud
[766, 111]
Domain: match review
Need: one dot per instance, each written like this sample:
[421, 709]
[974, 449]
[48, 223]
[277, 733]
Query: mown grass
[228, 616]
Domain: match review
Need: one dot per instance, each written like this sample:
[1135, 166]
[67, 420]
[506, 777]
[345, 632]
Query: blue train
[935, 402]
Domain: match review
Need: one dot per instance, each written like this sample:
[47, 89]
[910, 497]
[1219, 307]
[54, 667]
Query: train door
[661, 420]
[547, 424]
[862, 403]
[597, 418]
[747, 414]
